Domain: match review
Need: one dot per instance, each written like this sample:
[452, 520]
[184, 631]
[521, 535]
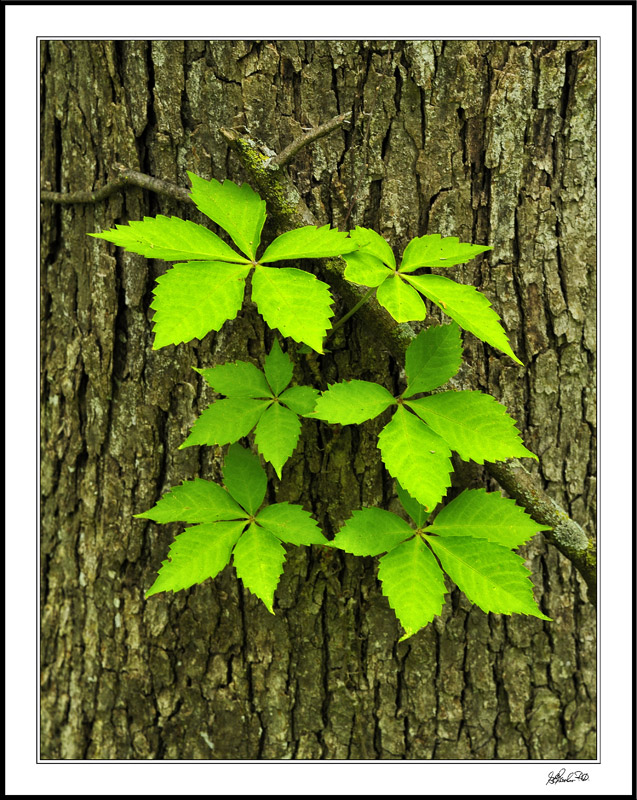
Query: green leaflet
[237, 379]
[432, 358]
[277, 434]
[491, 576]
[352, 402]
[486, 515]
[226, 421]
[171, 239]
[473, 424]
[278, 368]
[365, 269]
[415, 510]
[194, 501]
[373, 243]
[467, 306]
[237, 209]
[258, 560]
[413, 584]
[308, 242]
[245, 478]
[371, 531]
[291, 524]
[417, 457]
[301, 399]
[196, 554]
[295, 302]
[402, 302]
[193, 299]
[434, 251]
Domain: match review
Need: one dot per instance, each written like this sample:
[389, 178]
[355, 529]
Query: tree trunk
[489, 141]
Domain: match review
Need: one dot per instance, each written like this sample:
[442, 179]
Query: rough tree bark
[490, 141]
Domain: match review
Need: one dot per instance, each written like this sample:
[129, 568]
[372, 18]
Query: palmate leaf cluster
[471, 538]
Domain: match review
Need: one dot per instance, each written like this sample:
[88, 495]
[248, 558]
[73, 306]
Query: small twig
[288, 153]
[352, 311]
[127, 178]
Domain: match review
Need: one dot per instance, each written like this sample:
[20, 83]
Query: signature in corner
[572, 777]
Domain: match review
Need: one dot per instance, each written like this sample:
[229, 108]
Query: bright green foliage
[485, 515]
[276, 435]
[467, 306]
[193, 299]
[295, 302]
[237, 379]
[291, 524]
[413, 584]
[258, 560]
[195, 501]
[202, 551]
[308, 242]
[252, 400]
[371, 531]
[278, 368]
[373, 243]
[488, 573]
[491, 576]
[196, 554]
[237, 209]
[171, 239]
[365, 268]
[301, 399]
[197, 297]
[352, 402]
[473, 424]
[434, 251]
[402, 302]
[417, 457]
[432, 358]
[415, 510]
[245, 478]
[226, 421]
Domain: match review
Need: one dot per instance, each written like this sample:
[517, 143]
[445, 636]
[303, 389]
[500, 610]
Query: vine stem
[352, 311]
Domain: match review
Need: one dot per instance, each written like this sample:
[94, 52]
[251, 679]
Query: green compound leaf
[295, 302]
[486, 515]
[491, 576]
[197, 554]
[365, 269]
[236, 379]
[415, 510]
[417, 457]
[300, 399]
[467, 306]
[291, 524]
[245, 478]
[473, 424]
[194, 501]
[171, 239]
[413, 584]
[258, 560]
[352, 402]
[371, 531]
[371, 242]
[278, 368]
[434, 251]
[277, 435]
[237, 209]
[402, 302]
[193, 299]
[432, 358]
[308, 242]
[226, 421]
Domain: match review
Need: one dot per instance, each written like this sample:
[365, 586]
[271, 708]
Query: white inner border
[612, 25]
